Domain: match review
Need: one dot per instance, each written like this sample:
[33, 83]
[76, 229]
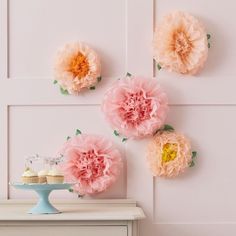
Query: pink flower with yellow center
[169, 154]
[180, 43]
[135, 107]
[77, 66]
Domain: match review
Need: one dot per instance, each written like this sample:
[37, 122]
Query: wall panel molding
[4, 170]
[4, 39]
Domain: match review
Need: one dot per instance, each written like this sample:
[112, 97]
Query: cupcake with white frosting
[55, 176]
[29, 176]
[42, 174]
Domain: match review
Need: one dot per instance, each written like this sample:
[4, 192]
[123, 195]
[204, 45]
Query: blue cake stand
[43, 205]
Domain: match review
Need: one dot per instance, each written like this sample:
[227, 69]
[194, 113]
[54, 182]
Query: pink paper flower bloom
[135, 107]
[91, 161]
[77, 66]
[180, 43]
[169, 154]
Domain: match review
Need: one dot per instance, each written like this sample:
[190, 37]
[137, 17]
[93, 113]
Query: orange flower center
[182, 44]
[79, 66]
[169, 152]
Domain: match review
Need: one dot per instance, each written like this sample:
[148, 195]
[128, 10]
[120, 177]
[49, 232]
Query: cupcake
[29, 176]
[42, 174]
[55, 176]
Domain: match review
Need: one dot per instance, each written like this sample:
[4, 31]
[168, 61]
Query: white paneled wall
[202, 201]
[35, 117]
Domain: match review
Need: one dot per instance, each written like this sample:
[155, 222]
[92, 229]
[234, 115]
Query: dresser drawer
[64, 230]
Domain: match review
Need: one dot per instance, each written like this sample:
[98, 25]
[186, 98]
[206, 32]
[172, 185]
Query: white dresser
[78, 218]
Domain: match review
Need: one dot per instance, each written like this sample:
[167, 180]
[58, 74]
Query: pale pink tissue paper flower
[180, 43]
[135, 106]
[77, 66]
[92, 162]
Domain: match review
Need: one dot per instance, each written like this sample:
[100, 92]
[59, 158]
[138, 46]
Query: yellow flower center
[169, 152]
[182, 44]
[79, 66]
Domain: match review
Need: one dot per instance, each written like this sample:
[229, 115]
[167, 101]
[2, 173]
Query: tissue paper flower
[92, 162]
[135, 107]
[77, 67]
[169, 154]
[180, 43]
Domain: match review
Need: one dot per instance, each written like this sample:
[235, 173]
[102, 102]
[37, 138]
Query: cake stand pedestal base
[43, 205]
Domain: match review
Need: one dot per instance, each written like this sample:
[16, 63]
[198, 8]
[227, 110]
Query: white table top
[80, 210]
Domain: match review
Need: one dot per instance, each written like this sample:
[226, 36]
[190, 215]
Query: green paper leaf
[192, 164]
[64, 91]
[92, 88]
[68, 137]
[55, 82]
[208, 36]
[168, 128]
[70, 190]
[116, 133]
[128, 74]
[99, 78]
[124, 139]
[158, 66]
[194, 154]
[209, 45]
[78, 132]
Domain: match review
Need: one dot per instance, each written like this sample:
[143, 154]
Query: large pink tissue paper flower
[180, 43]
[169, 154]
[135, 107]
[77, 66]
[92, 162]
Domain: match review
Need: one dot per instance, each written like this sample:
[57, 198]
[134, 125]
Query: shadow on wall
[217, 50]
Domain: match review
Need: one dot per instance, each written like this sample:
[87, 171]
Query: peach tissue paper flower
[135, 107]
[92, 162]
[180, 43]
[77, 67]
[169, 154]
